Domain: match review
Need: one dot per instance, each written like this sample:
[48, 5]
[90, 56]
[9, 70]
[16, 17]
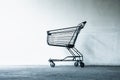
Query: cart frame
[66, 37]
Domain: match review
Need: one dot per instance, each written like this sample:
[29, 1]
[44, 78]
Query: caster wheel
[52, 64]
[76, 64]
[82, 64]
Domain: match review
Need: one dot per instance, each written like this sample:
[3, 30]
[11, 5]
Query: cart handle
[81, 25]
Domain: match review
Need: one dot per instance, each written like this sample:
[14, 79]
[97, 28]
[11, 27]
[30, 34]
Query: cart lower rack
[66, 37]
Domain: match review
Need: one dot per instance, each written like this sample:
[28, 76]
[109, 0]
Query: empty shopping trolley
[66, 37]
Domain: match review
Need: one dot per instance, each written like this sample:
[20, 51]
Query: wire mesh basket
[64, 37]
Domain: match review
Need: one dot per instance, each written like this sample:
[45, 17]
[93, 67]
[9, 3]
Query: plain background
[23, 26]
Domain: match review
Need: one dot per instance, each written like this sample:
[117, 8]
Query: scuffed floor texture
[60, 73]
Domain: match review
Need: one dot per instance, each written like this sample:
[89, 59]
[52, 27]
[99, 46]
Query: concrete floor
[60, 73]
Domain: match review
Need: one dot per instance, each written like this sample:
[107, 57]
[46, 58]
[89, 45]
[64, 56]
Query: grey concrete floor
[60, 73]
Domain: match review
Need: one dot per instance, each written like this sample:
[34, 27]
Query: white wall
[23, 26]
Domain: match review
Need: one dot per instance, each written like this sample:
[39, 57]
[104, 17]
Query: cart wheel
[52, 64]
[82, 64]
[76, 64]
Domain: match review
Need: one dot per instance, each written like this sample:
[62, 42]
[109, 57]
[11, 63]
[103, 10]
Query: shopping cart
[66, 37]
